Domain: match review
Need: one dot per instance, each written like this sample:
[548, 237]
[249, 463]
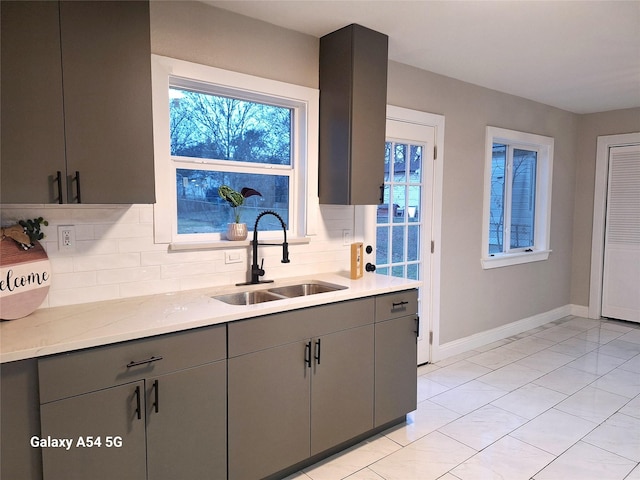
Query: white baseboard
[580, 311]
[456, 347]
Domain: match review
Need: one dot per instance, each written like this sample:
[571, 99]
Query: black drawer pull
[133, 363]
[156, 403]
[399, 304]
[307, 354]
[138, 405]
[59, 183]
[316, 355]
[78, 194]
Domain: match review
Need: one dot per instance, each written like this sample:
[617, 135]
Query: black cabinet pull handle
[307, 354]
[134, 363]
[156, 401]
[138, 409]
[316, 355]
[79, 196]
[399, 304]
[417, 331]
[381, 193]
[59, 182]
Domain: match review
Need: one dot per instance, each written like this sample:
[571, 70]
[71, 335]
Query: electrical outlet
[66, 238]
[232, 256]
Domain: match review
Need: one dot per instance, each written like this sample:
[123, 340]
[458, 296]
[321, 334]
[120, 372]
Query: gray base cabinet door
[186, 424]
[341, 387]
[113, 415]
[395, 370]
[269, 395]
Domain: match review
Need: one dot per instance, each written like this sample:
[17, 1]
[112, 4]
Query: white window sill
[506, 259]
[228, 244]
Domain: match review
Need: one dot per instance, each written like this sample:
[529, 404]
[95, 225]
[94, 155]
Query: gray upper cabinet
[76, 99]
[32, 114]
[353, 96]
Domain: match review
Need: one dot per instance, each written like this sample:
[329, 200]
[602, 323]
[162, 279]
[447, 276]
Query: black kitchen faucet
[258, 271]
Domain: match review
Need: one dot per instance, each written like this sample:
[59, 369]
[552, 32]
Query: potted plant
[236, 230]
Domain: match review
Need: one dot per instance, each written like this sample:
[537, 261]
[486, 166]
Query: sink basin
[277, 293]
[249, 298]
[303, 289]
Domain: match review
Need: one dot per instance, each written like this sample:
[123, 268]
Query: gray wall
[472, 299]
[590, 127]
[203, 34]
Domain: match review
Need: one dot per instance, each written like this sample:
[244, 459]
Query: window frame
[544, 147]
[303, 192]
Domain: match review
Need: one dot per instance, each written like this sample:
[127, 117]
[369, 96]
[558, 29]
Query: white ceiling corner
[580, 56]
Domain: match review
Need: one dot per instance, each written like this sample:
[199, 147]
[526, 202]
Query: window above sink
[214, 127]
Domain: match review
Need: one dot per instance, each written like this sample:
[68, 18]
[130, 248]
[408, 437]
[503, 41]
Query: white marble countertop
[62, 329]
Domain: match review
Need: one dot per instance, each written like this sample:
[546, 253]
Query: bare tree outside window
[218, 128]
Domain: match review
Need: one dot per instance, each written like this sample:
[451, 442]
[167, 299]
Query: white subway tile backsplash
[116, 257]
[75, 280]
[106, 262]
[73, 296]
[180, 270]
[136, 289]
[128, 275]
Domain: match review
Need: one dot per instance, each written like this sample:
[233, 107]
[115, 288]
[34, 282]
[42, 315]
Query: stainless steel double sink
[252, 297]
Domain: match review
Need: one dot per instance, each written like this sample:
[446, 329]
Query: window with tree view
[517, 203]
[220, 139]
[513, 198]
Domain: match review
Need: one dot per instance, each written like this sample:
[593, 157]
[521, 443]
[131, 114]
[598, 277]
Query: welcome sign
[25, 277]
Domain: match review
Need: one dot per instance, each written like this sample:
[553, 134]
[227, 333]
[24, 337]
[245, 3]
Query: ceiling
[580, 56]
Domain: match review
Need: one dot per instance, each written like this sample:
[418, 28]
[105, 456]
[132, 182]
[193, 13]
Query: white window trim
[544, 146]
[305, 201]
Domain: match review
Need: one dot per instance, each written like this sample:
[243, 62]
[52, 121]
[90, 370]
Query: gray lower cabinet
[110, 415]
[157, 407]
[187, 424]
[299, 383]
[396, 332]
[19, 420]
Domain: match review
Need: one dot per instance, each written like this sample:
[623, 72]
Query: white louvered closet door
[621, 277]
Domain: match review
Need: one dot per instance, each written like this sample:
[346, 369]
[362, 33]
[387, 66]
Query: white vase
[237, 231]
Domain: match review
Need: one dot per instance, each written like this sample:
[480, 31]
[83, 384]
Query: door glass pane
[413, 205]
[413, 243]
[412, 271]
[523, 198]
[397, 245]
[497, 205]
[399, 217]
[382, 245]
[399, 201]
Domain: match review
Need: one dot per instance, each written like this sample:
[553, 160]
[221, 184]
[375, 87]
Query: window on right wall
[517, 198]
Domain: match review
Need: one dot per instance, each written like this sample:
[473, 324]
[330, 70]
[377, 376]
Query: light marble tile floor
[560, 402]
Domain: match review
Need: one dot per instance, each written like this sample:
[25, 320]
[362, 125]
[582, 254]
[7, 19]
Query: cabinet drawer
[397, 304]
[74, 373]
[246, 336]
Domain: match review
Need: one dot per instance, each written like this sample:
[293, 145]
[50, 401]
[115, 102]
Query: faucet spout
[257, 271]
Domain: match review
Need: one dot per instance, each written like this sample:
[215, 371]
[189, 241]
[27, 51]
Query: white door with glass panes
[404, 219]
